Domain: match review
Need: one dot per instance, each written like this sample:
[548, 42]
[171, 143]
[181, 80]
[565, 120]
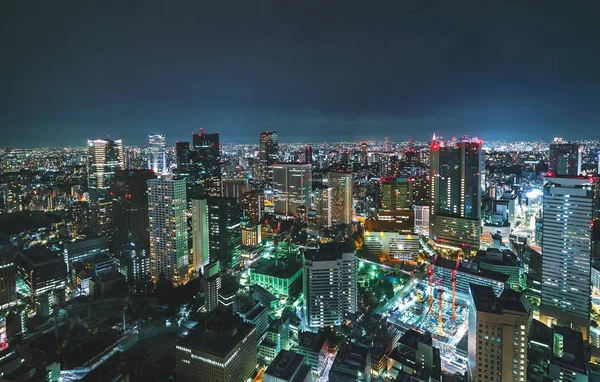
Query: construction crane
[430, 273]
[440, 319]
[454, 288]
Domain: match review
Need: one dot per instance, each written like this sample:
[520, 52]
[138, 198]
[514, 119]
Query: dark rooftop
[218, 334]
[486, 301]
[310, 340]
[286, 364]
[329, 251]
[276, 268]
[39, 255]
[465, 268]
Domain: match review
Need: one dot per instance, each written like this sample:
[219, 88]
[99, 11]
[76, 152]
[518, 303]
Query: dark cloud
[312, 70]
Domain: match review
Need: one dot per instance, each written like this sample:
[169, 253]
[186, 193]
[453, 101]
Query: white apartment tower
[199, 234]
[168, 228]
[329, 284]
[568, 209]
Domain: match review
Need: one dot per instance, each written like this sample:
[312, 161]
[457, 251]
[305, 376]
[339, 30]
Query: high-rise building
[322, 196]
[329, 284]
[183, 156]
[396, 195]
[224, 231]
[200, 241]
[341, 197]
[364, 153]
[568, 208]
[138, 263]
[44, 273]
[497, 336]
[308, 155]
[268, 146]
[221, 349]
[292, 185]
[205, 171]
[104, 157]
[564, 159]
[234, 188]
[455, 210]
[8, 271]
[211, 284]
[157, 145]
[253, 206]
[251, 234]
[129, 191]
[168, 229]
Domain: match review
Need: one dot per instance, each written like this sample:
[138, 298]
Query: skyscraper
[104, 157]
[455, 210]
[200, 252]
[8, 273]
[205, 171]
[308, 154]
[211, 283]
[268, 146]
[341, 197]
[168, 229]
[224, 231]
[497, 336]
[364, 153]
[322, 196]
[183, 155]
[568, 208]
[157, 145]
[564, 159]
[130, 208]
[253, 206]
[396, 195]
[292, 185]
[329, 284]
[234, 188]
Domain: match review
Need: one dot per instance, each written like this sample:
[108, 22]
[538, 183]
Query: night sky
[314, 71]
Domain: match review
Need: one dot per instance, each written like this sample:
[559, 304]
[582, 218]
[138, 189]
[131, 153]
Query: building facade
[341, 197]
[292, 186]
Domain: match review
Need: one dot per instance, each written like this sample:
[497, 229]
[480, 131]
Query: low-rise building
[288, 367]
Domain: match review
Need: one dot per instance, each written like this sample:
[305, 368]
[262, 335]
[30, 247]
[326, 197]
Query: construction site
[436, 306]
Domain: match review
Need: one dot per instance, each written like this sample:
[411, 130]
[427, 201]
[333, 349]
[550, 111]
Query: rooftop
[485, 300]
[329, 251]
[218, 334]
[312, 341]
[286, 364]
[471, 268]
[277, 268]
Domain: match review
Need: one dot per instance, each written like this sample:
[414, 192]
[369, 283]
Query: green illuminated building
[277, 276]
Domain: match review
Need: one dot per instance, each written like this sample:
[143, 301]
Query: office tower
[8, 271]
[221, 349]
[168, 229]
[104, 157]
[251, 234]
[396, 195]
[322, 196]
[234, 188]
[568, 205]
[564, 159]
[292, 185]
[288, 367]
[129, 192]
[200, 251]
[455, 210]
[329, 284]
[253, 205]
[224, 236]
[364, 153]
[138, 263]
[497, 336]
[205, 171]
[211, 284]
[308, 155]
[183, 155]
[268, 146]
[82, 250]
[157, 146]
[341, 197]
[44, 273]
